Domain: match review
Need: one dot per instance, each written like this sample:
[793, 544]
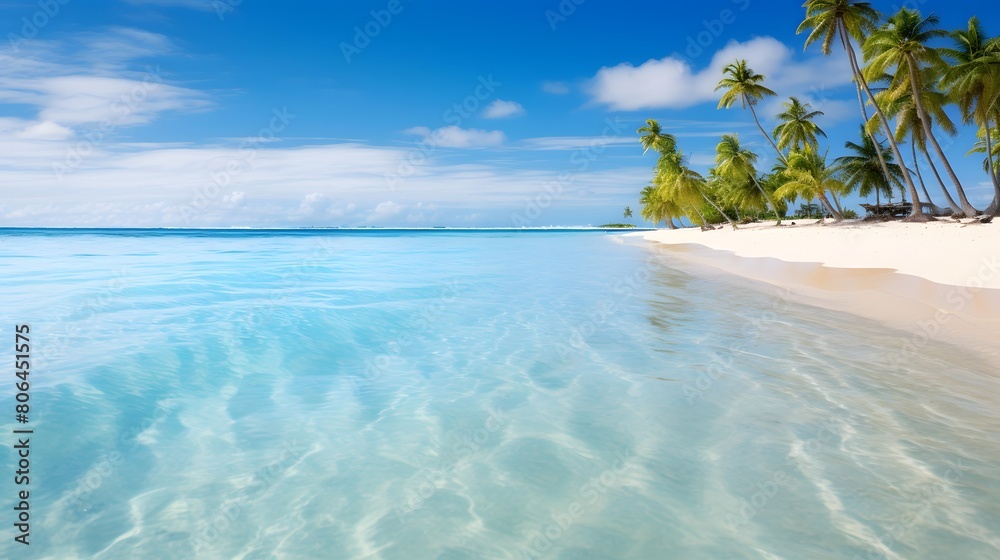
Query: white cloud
[501, 109]
[235, 198]
[672, 83]
[88, 81]
[555, 88]
[203, 5]
[575, 142]
[384, 211]
[45, 130]
[457, 137]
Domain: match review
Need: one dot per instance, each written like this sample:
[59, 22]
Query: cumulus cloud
[457, 137]
[384, 211]
[45, 130]
[501, 109]
[235, 198]
[671, 82]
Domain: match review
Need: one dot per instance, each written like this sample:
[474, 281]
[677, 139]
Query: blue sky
[388, 113]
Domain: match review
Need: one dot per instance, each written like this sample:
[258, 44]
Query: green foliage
[797, 129]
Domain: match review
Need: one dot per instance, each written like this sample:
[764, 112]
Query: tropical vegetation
[910, 75]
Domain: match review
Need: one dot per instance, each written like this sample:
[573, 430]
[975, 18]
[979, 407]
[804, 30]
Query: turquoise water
[450, 395]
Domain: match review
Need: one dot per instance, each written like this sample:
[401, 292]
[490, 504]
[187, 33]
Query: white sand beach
[937, 281]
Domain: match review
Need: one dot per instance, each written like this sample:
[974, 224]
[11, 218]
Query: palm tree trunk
[916, 214]
[935, 209]
[871, 135]
[781, 156]
[994, 209]
[925, 123]
[837, 216]
[881, 159]
[770, 200]
[716, 206]
[704, 222]
[956, 209]
[836, 202]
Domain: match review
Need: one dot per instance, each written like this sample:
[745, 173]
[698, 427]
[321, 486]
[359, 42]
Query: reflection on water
[482, 396]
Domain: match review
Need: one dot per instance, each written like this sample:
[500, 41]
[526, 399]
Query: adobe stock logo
[363, 35]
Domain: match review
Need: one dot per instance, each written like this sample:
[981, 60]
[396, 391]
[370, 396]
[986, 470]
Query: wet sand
[966, 314]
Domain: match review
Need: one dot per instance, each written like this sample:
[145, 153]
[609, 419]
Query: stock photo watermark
[375, 368]
[122, 108]
[239, 163]
[32, 25]
[72, 329]
[920, 502]
[453, 117]
[427, 481]
[766, 491]
[580, 161]
[232, 508]
[366, 33]
[927, 330]
[751, 331]
[105, 467]
[712, 30]
[541, 541]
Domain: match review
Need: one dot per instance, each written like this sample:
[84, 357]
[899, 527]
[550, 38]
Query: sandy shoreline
[935, 282]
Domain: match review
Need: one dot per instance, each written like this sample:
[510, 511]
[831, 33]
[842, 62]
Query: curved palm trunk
[770, 200]
[881, 160]
[994, 209]
[956, 209]
[704, 222]
[916, 214]
[871, 135]
[836, 202]
[837, 216]
[934, 208]
[925, 124]
[716, 206]
[781, 156]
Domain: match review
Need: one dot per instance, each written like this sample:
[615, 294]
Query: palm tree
[898, 104]
[808, 209]
[744, 85]
[690, 181]
[683, 186]
[654, 137]
[797, 128]
[736, 164]
[902, 44]
[627, 213]
[847, 20]
[861, 169]
[650, 210]
[809, 177]
[974, 83]
[993, 146]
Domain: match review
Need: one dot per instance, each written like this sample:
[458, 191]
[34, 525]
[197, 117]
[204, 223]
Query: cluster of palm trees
[905, 79]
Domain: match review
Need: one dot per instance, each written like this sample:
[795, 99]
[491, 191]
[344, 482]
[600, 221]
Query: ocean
[448, 394]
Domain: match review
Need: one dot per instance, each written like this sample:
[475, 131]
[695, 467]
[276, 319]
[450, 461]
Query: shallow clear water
[474, 395]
